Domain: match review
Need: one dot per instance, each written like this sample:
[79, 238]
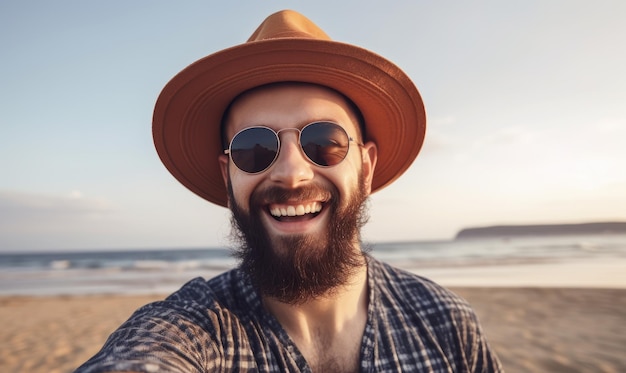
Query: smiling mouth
[286, 213]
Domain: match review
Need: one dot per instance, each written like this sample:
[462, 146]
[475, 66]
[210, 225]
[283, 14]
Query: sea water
[468, 262]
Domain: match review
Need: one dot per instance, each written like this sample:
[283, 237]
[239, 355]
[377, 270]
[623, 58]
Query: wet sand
[531, 329]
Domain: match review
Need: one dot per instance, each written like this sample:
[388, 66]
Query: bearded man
[293, 131]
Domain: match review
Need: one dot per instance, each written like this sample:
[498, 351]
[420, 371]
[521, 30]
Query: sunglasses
[254, 149]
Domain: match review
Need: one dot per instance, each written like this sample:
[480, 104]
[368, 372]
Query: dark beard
[299, 268]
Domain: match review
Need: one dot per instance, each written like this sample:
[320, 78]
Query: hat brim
[188, 112]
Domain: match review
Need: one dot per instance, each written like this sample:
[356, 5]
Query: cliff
[543, 230]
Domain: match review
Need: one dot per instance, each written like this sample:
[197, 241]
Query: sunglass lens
[254, 149]
[326, 144]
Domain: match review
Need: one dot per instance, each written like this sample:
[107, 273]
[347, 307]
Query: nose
[291, 168]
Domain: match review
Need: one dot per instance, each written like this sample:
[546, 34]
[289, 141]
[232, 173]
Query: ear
[223, 160]
[369, 154]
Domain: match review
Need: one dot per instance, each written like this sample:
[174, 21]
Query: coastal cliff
[504, 231]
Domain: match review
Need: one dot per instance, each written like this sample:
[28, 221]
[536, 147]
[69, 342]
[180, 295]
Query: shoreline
[601, 273]
[530, 328]
[579, 272]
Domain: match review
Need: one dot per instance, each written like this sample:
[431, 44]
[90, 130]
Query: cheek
[243, 185]
[345, 176]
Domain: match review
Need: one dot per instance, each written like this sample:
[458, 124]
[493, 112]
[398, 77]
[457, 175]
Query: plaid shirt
[220, 325]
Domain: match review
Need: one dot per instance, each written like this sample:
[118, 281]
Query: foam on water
[476, 262]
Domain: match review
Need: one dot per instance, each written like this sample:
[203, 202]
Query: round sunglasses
[254, 149]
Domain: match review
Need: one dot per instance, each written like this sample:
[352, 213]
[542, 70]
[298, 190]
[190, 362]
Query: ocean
[583, 260]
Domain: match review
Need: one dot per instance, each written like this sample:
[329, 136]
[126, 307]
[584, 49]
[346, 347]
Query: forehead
[290, 105]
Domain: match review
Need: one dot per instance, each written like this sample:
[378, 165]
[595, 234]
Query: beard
[297, 268]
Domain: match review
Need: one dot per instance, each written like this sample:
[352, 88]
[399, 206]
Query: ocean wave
[60, 264]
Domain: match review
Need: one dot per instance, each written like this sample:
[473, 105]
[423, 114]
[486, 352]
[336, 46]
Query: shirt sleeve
[165, 336]
[477, 356]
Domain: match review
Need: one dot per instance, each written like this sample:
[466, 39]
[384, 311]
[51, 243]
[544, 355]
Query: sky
[526, 107]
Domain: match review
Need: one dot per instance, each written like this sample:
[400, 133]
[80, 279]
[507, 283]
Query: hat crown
[287, 24]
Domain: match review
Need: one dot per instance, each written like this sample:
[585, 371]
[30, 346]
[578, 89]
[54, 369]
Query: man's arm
[160, 337]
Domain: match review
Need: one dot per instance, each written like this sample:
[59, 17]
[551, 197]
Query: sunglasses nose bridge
[285, 130]
[278, 133]
[291, 165]
[282, 140]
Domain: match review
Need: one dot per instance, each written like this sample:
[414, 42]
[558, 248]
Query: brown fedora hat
[287, 47]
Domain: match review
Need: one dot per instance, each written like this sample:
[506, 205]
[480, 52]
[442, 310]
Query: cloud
[440, 136]
[18, 206]
[442, 121]
[35, 221]
[449, 143]
[77, 221]
[505, 137]
[436, 142]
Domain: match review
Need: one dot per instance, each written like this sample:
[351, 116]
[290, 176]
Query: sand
[531, 329]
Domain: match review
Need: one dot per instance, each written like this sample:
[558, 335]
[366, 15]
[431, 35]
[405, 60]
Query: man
[293, 131]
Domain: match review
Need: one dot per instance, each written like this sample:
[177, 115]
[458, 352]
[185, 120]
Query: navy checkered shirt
[220, 325]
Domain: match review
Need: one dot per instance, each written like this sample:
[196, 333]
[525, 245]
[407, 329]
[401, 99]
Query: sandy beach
[532, 329]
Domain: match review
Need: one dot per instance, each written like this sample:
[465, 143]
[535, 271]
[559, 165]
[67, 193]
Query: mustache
[277, 194]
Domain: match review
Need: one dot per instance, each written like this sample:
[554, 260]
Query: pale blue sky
[526, 103]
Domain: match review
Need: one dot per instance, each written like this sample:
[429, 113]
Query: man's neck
[327, 328]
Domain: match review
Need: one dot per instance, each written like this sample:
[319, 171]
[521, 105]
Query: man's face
[320, 244]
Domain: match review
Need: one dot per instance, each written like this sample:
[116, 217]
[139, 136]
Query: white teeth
[297, 210]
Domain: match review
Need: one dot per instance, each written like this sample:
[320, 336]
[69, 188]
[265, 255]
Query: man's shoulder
[415, 291]
[225, 289]
[201, 302]
[412, 306]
